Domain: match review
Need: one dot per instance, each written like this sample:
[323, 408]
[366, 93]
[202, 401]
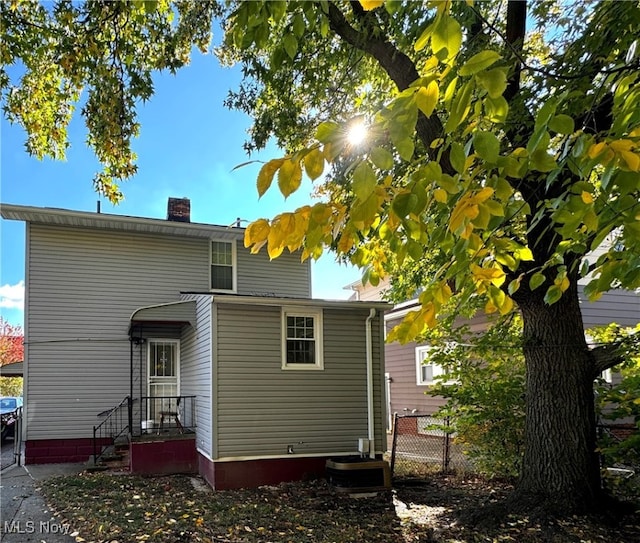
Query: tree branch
[606, 356]
[398, 66]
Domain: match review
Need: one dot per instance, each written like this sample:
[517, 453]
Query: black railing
[115, 424]
[166, 415]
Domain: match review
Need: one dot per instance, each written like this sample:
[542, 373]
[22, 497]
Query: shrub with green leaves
[484, 388]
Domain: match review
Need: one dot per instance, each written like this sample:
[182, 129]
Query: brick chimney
[179, 210]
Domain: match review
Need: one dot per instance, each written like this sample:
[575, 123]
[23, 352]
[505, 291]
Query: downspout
[370, 413]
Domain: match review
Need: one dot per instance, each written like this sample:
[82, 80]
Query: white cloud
[12, 296]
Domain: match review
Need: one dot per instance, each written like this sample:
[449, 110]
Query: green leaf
[554, 293]
[364, 181]
[289, 177]
[539, 140]
[447, 35]
[326, 131]
[487, 146]
[536, 280]
[457, 157]
[404, 203]
[460, 107]
[424, 38]
[562, 124]
[542, 161]
[496, 109]
[382, 158]
[545, 113]
[405, 148]
[298, 25]
[493, 81]
[479, 62]
[290, 45]
[513, 286]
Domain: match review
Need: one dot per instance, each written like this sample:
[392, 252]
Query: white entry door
[164, 375]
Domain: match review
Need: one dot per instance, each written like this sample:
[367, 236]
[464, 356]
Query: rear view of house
[210, 359]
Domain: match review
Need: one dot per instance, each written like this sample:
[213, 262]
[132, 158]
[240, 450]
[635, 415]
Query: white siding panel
[83, 287]
[261, 409]
[284, 276]
[195, 376]
[619, 306]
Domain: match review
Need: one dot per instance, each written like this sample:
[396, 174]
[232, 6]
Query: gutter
[370, 414]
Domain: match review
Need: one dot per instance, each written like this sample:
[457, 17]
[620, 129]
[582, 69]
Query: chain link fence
[423, 444]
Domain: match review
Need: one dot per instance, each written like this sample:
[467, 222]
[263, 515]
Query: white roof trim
[107, 221]
[298, 302]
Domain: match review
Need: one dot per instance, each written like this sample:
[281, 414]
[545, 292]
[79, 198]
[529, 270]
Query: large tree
[498, 157]
[498, 160]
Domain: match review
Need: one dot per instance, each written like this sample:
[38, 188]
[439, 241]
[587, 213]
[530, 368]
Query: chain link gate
[423, 444]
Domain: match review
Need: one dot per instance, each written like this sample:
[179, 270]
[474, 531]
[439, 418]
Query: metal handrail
[116, 429]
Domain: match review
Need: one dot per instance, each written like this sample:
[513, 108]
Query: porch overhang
[178, 313]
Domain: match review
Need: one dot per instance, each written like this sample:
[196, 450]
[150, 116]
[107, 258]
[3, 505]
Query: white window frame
[234, 265]
[317, 337]
[422, 354]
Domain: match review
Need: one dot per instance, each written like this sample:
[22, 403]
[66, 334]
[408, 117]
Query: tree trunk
[560, 472]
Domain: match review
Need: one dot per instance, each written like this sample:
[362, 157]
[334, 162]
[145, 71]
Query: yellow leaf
[265, 176]
[632, 160]
[368, 5]
[289, 177]
[427, 98]
[587, 198]
[621, 145]
[314, 163]
[256, 232]
[488, 275]
[562, 282]
[596, 149]
[440, 195]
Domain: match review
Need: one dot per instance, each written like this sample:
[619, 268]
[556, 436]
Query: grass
[123, 508]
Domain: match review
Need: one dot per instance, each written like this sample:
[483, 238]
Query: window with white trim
[223, 266]
[427, 371]
[302, 339]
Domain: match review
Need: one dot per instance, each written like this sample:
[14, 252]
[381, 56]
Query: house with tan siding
[205, 357]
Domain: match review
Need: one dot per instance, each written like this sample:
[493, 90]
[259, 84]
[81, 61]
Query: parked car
[10, 410]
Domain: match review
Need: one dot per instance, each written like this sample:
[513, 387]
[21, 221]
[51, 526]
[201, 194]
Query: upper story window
[427, 371]
[302, 339]
[223, 266]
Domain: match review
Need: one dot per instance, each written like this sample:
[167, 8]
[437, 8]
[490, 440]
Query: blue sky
[188, 146]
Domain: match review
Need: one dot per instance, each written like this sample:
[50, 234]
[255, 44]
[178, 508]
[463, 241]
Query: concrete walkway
[25, 516]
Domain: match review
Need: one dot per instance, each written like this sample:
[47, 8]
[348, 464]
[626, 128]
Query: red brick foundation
[55, 451]
[164, 457]
[254, 473]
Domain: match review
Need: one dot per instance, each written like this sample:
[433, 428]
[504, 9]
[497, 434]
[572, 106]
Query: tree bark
[560, 470]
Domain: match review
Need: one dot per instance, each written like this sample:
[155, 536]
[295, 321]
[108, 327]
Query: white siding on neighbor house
[195, 376]
[83, 287]
[261, 410]
[619, 306]
[284, 276]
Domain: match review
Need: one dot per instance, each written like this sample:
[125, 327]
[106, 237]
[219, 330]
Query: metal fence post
[447, 448]
[394, 442]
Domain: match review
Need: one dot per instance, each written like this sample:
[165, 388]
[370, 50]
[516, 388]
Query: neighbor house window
[427, 371]
[223, 265]
[302, 339]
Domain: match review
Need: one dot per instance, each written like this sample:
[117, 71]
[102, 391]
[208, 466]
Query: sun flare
[357, 133]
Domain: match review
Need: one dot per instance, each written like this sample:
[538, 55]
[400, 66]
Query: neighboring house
[219, 360]
[409, 374]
